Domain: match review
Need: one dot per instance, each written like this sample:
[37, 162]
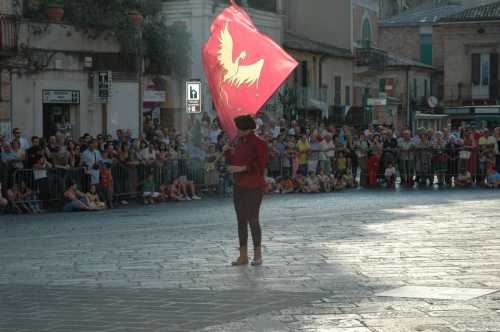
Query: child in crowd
[15, 200]
[271, 185]
[94, 200]
[176, 192]
[148, 190]
[340, 183]
[30, 198]
[312, 183]
[325, 182]
[341, 164]
[464, 179]
[348, 178]
[164, 193]
[492, 178]
[300, 183]
[390, 175]
[106, 185]
[285, 185]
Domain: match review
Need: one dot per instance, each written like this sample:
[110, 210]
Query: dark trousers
[247, 204]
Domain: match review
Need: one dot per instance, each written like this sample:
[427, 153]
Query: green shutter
[381, 86]
[426, 49]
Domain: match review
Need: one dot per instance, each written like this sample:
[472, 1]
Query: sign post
[104, 79]
[193, 97]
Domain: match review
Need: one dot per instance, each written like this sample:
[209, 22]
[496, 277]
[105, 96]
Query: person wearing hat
[248, 164]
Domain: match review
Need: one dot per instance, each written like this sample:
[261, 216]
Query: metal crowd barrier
[420, 165]
[434, 165]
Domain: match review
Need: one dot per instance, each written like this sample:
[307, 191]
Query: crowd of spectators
[303, 158]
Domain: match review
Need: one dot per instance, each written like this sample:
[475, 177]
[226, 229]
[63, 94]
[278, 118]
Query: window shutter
[493, 75]
[381, 85]
[476, 69]
[305, 74]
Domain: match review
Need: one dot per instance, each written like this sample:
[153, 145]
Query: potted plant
[54, 9]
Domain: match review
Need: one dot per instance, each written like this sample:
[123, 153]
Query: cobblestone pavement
[166, 268]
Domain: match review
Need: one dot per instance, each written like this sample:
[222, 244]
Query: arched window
[367, 30]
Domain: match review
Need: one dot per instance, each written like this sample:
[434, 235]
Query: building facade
[52, 75]
[322, 85]
[466, 48]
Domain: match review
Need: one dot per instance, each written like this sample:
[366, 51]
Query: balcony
[468, 95]
[311, 97]
[370, 59]
[8, 35]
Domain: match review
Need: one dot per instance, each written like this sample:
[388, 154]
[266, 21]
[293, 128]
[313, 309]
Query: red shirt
[251, 152]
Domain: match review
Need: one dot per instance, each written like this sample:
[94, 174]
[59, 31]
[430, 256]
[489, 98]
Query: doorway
[56, 118]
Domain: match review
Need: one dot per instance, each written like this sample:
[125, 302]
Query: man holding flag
[244, 69]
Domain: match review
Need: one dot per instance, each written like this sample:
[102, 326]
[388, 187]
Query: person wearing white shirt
[92, 159]
[25, 144]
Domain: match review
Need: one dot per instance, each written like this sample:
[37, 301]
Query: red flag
[244, 67]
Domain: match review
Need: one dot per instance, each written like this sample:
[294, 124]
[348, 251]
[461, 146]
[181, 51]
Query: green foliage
[166, 47]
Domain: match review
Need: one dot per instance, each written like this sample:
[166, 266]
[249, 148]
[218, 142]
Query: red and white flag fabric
[243, 67]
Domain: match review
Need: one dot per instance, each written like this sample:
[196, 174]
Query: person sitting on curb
[187, 189]
[464, 179]
[94, 200]
[75, 200]
[492, 178]
[150, 194]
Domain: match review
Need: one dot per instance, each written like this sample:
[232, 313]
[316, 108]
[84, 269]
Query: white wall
[27, 99]
[123, 111]
[86, 117]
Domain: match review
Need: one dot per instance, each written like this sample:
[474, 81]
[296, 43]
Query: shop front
[477, 117]
[60, 112]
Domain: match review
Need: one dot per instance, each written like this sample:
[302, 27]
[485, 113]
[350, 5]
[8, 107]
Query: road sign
[193, 97]
[376, 102]
[104, 79]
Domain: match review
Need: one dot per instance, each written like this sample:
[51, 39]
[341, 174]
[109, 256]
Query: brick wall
[404, 41]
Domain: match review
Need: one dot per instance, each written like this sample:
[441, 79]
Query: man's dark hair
[245, 122]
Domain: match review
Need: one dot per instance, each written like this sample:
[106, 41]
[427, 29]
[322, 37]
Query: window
[348, 95]
[338, 89]
[481, 69]
[303, 74]
[366, 31]
[267, 5]
[485, 69]
[381, 85]
[426, 49]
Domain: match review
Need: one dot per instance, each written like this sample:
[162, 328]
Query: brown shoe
[257, 260]
[243, 259]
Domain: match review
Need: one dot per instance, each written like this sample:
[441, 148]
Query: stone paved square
[326, 257]
[437, 293]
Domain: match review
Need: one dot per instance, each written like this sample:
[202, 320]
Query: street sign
[61, 97]
[104, 79]
[376, 102]
[193, 97]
